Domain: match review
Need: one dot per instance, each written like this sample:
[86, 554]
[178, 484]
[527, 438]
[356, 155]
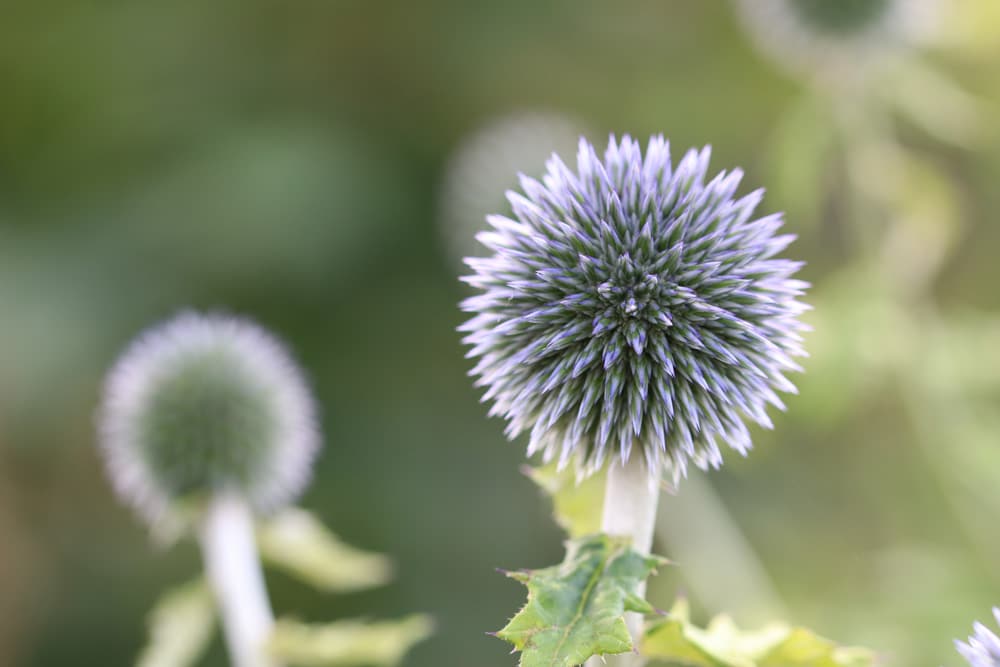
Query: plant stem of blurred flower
[715, 559]
[234, 570]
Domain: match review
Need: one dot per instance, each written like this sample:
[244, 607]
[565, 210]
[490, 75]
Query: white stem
[630, 500]
[233, 567]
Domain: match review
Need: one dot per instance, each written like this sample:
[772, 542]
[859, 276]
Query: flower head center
[629, 289]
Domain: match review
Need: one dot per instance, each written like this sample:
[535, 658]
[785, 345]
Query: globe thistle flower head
[202, 404]
[983, 647]
[631, 305]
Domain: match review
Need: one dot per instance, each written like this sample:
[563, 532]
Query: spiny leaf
[675, 641]
[577, 506]
[576, 609]
[297, 542]
[347, 643]
[180, 626]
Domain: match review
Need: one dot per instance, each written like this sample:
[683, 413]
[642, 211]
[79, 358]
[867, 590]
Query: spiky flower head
[836, 39]
[983, 649]
[631, 305]
[202, 404]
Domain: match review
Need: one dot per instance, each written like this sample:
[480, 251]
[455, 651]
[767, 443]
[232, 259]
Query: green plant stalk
[234, 572]
[630, 499]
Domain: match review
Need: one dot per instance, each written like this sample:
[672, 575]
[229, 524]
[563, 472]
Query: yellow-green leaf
[577, 505]
[676, 641]
[576, 609]
[297, 542]
[347, 643]
[180, 626]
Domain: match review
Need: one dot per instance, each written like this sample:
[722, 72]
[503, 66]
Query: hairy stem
[630, 500]
[234, 571]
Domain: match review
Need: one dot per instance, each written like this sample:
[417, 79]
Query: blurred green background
[295, 162]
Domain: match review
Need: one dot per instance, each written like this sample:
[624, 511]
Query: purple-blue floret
[983, 647]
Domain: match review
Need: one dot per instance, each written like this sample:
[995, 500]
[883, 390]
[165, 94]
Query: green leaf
[347, 643]
[576, 609]
[804, 647]
[298, 543]
[577, 506]
[180, 627]
[676, 641]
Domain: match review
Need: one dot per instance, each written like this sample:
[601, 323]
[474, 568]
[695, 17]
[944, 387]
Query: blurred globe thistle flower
[836, 38]
[486, 164]
[632, 304]
[206, 404]
[983, 647]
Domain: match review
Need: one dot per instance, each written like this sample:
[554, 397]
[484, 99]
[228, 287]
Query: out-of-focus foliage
[720, 566]
[300, 544]
[348, 643]
[676, 641]
[285, 160]
[576, 505]
[182, 622]
[180, 627]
